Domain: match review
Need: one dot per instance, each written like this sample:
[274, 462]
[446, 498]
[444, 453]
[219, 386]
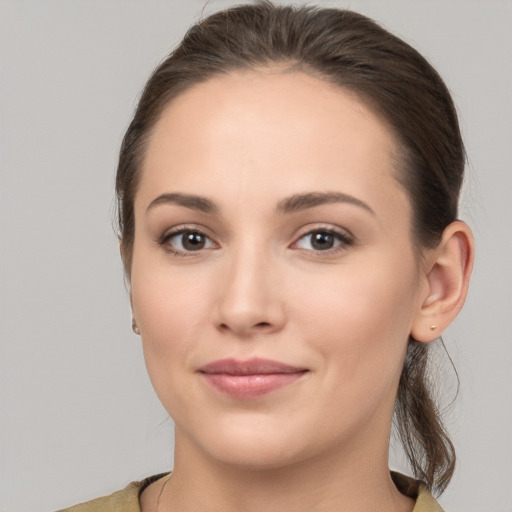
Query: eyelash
[165, 239]
[344, 240]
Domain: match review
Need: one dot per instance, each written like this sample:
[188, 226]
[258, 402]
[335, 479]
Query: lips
[251, 378]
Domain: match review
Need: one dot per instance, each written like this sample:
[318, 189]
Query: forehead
[264, 102]
[289, 131]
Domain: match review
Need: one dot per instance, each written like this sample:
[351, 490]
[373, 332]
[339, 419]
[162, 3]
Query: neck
[352, 481]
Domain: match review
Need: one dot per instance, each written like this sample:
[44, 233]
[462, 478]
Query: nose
[249, 297]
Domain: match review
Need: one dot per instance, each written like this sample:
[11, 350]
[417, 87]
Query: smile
[249, 379]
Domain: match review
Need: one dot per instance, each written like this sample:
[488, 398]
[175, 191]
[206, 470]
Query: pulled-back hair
[355, 53]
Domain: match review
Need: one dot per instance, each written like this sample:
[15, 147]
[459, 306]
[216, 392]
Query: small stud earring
[135, 328]
[433, 327]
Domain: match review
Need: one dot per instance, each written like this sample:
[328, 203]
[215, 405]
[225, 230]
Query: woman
[287, 197]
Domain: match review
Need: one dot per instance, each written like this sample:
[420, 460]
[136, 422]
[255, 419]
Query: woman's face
[274, 279]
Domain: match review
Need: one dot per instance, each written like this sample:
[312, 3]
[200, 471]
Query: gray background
[78, 417]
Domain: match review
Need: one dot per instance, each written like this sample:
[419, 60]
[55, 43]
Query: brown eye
[186, 241]
[193, 241]
[322, 240]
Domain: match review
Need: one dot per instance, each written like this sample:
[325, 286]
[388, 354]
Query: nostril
[246, 329]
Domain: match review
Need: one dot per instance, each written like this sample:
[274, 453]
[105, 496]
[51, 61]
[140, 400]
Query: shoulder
[416, 489]
[125, 500]
[425, 502]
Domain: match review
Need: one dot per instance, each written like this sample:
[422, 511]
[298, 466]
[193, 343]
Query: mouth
[249, 379]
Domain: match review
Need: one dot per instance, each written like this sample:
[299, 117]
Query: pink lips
[249, 379]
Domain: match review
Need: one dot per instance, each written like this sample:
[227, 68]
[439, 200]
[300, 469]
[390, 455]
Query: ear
[135, 327]
[447, 272]
[126, 277]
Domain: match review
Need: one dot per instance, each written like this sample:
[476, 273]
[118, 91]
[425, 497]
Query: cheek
[171, 311]
[166, 301]
[362, 316]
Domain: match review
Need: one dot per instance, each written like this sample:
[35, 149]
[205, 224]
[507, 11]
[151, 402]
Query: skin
[259, 288]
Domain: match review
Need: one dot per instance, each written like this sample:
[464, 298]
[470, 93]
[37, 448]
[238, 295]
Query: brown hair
[352, 51]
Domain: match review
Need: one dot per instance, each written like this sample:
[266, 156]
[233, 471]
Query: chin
[254, 455]
[254, 443]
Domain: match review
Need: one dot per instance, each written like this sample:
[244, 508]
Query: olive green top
[127, 500]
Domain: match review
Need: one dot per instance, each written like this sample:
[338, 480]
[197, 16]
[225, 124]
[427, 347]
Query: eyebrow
[291, 204]
[299, 202]
[193, 202]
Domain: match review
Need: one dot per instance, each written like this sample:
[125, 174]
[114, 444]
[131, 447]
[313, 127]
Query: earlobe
[447, 278]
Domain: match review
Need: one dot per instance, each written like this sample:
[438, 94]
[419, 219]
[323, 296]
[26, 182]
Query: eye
[322, 240]
[186, 241]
